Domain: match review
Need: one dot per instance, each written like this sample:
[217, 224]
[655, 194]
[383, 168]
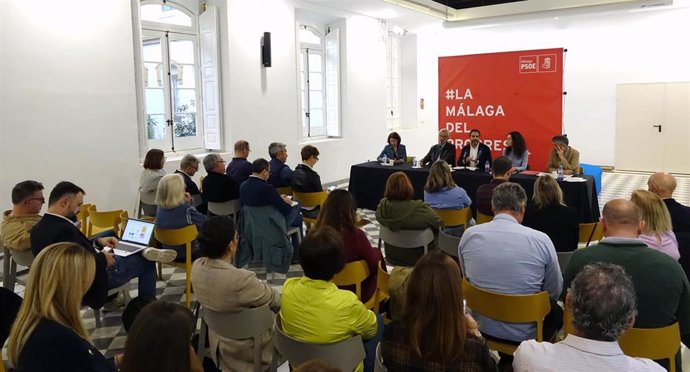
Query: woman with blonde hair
[48, 333]
[658, 232]
[547, 213]
[441, 192]
[175, 210]
[435, 333]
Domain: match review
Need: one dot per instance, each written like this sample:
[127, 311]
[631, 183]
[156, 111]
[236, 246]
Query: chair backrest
[148, 197]
[25, 258]
[590, 232]
[448, 243]
[455, 217]
[287, 190]
[249, 323]
[197, 200]
[483, 218]
[124, 217]
[378, 366]
[201, 183]
[230, 207]
[354, 273]
[381, 288]
[407, 238]
[346, 354]
[563, 260]
[507, 307]
[310, 199]
[652, 343]
[104, 220]
[182, 236]
[83, 216]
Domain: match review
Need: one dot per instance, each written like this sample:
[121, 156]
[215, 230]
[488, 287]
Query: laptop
[136, 237]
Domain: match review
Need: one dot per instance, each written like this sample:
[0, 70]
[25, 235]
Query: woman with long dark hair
[516, 151]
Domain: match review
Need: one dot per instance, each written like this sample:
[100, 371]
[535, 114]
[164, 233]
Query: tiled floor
[110, 337]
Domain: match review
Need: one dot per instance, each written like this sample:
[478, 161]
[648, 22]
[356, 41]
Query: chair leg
[160, 270]
[201, 345]
[97, 317]
[12, 278]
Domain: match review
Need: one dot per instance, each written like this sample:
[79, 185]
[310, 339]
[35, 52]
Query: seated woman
[441, 192]
[48, 333]
[394, 150]
[547, 213]
[175, 210]
[314, 310]
[148, 182]
[516, 151]
[220, 286]
[435, 333]
[159, 340]
[657, 233]
[339, 212]
[398, 211]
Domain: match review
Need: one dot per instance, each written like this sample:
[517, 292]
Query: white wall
[604, 50]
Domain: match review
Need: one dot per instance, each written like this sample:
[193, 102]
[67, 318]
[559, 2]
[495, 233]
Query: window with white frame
[174, 118]
[319, 87]
[393, 81]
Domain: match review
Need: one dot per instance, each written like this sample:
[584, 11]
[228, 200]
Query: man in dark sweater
[502, 169]
[240, 168]
[281, 174]
[662, 289]
[217, 186]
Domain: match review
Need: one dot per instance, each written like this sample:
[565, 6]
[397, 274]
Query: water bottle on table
[560, 172]
[385, 159]
[414, 162]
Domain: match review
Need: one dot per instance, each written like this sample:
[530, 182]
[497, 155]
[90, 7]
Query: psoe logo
[528, 64]
[547, 63]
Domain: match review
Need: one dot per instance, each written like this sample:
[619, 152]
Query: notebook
[136, 237]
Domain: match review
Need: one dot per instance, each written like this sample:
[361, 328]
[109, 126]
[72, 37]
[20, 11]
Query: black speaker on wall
[266, 49]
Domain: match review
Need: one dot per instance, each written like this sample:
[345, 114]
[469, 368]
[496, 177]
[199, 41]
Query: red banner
[498, 93]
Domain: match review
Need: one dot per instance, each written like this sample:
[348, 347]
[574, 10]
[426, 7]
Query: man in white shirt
[603, 303]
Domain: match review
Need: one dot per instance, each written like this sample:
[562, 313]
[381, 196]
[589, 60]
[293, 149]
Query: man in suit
[443, 150]
[112, 271]
[217, 186]
[240, 168]
[189, 165]
[563, 155]
[475, 154]
[664, 184]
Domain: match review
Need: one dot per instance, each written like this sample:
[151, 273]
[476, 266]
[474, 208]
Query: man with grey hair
[603, 303]
[189, 165]
[443, 150]
[217, 186]
[662, 289]
[505, 257]
[280, 172]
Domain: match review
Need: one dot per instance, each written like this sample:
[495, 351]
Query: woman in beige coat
[220, 286]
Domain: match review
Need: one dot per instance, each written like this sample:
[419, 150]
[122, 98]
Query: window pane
[315, 100]
[184, 100]
[182, 51]
[308, 36]
[315, 81]
[151, 50]
[153, 75]
[183, 76]
[315, 63]
[155, 104]
[155, 127]
[185, 124]
[165, 14]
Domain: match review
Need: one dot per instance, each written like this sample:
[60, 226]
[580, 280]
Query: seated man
[501, 169]
[240, 168]
[443, 150]
[505, 257]
[314, 310]
[662, 289]
[281, 174]
[189, 165]
[475, 154]
[563, 155]
[664, 184]
[27, 200]
[602, 301]
[305, 178]
[217, 186]
[111, 271]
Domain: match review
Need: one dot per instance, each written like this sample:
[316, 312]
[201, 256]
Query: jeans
[130, 267]
[370, 346]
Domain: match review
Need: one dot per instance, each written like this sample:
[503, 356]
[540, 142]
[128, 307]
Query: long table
[368, 181]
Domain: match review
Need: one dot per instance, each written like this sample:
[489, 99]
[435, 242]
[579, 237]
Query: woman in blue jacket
[394, 150]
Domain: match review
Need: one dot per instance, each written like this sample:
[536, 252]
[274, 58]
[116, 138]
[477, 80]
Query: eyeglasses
[316, 157]
[42, 199]
[219, 161]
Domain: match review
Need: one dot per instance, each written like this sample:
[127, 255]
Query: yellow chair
[381, 293]
[652, 343]
[590, 232]
[309, 200]
[354, 273]
[455, 217]
[507, 308]
[287, 190]
[483, 218]
[103, 221]
[124, 217]
[83, 217]
[201, 183]
[182, 236]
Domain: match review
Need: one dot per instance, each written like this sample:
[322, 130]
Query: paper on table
[575, 179]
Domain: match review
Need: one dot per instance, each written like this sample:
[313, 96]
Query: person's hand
[513, 170]
[109, 258]
[187, 197]
[194, 362]
[471, 325]
[118, 360]
[560, 150]
[108, 242]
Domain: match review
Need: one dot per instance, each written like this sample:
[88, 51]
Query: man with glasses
[27, 200]
[240, 168]
[305, 178]
[189, 165]
[217, 186]
[443, 150]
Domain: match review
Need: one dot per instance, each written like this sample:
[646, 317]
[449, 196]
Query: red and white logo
[547, 63]
[528, 64]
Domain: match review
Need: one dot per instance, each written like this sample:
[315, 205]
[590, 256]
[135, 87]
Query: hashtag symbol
[450, 94]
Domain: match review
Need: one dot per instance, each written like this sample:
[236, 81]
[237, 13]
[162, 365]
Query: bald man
[661, 286]
[664, 184]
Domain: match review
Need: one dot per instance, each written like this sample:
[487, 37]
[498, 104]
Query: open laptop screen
[138, 231]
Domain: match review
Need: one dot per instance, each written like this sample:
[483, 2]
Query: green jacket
[407, 215]
[263, 238]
